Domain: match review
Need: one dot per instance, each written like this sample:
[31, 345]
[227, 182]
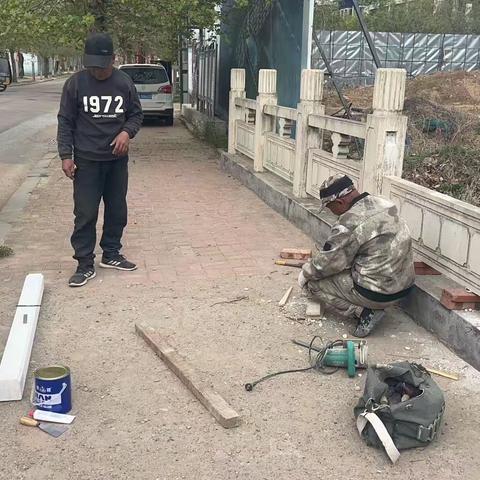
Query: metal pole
[181, 71]
[308, 10]
[345, 105]
[366, 32]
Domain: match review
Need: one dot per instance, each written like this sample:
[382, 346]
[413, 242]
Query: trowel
[51, 429]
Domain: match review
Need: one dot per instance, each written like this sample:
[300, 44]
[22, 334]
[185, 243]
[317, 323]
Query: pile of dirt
[443, 141]
[460, 90]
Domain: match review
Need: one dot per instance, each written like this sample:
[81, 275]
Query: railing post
[311, 95]
[237, 90]
[267, 95]
[386, 130]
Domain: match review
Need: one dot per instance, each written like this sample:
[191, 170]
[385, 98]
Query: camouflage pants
[338, 293]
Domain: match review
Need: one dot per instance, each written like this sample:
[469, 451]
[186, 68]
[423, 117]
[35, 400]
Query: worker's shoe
[81, 276]
[118, 262]
[368, 320]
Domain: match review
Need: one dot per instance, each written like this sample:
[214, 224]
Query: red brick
[459, 299]
[422, 268]
[296, 253]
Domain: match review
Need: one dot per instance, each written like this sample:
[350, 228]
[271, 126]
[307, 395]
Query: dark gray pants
[338, 293]
[94, 181]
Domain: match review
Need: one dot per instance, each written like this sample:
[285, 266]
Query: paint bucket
[52, 390]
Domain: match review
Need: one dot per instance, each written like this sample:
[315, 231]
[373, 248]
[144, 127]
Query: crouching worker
[366, 264]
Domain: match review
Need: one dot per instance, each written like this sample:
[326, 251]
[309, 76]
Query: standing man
[366, 264]
[99, 113]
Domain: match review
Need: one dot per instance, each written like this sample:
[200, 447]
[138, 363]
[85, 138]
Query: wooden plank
[16, 356]
[285, 297]
[296, 253]
[451, 376]
[290, 263]
[225, 415]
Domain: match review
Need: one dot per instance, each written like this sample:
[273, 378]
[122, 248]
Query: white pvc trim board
[16, 356]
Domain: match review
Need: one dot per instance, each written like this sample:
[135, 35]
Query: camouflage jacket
[372, 241]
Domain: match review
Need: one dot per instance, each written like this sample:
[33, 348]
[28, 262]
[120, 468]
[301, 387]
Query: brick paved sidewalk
[187, 220]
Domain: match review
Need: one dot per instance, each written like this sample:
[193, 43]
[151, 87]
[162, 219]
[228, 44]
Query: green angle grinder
[328, 358]
[349, 354]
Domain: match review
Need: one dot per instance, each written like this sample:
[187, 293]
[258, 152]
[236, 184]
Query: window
[146, 76]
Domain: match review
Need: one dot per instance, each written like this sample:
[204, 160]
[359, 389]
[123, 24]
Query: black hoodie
[93, 112]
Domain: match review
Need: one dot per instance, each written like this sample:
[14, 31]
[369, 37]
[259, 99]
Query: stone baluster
[311, 95]
[267, 95]
[386, 130]
[237, 90]
[341, 146]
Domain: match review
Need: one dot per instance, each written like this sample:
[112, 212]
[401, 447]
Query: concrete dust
[134, 415]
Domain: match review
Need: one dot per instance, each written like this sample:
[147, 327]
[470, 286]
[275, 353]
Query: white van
[154, 89]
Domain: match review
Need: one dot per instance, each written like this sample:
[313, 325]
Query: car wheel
[169, 121]
[3, 88]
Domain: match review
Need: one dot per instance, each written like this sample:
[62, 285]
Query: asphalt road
[27, 130]
[21, 103]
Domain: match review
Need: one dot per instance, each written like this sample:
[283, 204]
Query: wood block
[285, 297]
[314, 309]
[296, 253]
[290, 263]
[225, 415]
[422, 268]
[459, 299]
[16, 356]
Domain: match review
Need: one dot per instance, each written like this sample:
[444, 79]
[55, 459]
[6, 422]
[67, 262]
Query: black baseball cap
[98, 50]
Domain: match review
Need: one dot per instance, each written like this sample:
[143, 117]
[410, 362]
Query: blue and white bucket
[52, 389]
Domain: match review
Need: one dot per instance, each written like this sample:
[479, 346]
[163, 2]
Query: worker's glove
[302, 281]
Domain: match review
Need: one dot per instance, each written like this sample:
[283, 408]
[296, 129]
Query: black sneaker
[81, 276]
[119, 262]
[368, 320]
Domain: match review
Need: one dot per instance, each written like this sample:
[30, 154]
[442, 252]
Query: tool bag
[398, 425]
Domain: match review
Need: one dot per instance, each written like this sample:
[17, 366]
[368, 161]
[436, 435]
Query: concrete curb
[276, 194]
[18, 201]
[458, 330]
[200, 121]
[35, 82]
[31, 82]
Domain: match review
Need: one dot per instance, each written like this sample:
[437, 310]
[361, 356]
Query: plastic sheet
[419, 53]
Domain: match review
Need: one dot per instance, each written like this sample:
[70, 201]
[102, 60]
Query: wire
[316, 357]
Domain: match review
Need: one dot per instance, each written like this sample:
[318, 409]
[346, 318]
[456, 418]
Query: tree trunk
[21, 70]
[99, 9]
[46, 67]
[14, 66]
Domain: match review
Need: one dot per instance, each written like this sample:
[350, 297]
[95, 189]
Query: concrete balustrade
[446, 232]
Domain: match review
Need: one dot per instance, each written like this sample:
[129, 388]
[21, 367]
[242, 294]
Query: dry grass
[443, 139]
[5, 251]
